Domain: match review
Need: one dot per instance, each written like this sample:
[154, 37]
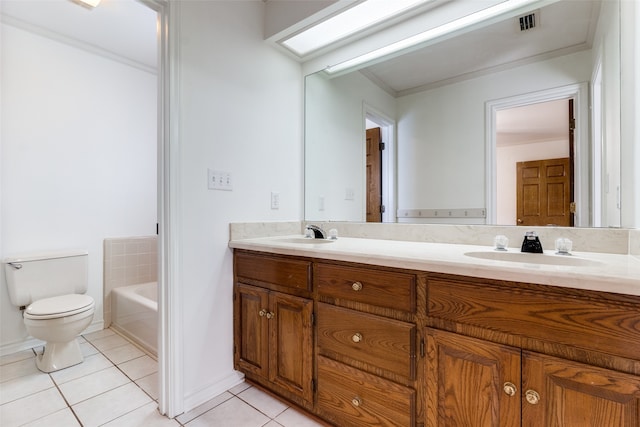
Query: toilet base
[59, 355]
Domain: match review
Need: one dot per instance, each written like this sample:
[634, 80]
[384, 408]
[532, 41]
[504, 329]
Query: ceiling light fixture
[349, 22]
[89, 4]
[431, 34]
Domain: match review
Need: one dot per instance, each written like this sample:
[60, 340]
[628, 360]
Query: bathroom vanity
[367, 332]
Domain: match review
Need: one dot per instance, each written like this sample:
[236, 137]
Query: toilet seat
[60, 306]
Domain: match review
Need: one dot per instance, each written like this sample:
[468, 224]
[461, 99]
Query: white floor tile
[239, 388]
[87, 349]
[233, 412]
[91, 364]
[93, 384]
[139, 367]
[150, 385]
[263, 402]
[147, 416]
[24, 386]
[31, 408]
[110, 405]
[123, 353]
[16, 357]
[62, 418]
[201, 409]
[98, 334]
[293, 418]
[18, 369]
[108, 342]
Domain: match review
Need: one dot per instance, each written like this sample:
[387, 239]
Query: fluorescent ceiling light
[430, 34]
[90, 4]
[349, 22]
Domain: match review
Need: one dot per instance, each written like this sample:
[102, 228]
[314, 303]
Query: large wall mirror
[465, 120]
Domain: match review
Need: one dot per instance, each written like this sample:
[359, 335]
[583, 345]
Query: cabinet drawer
[384, 343]
[580, 319]
[381, 288]
[267, 270]
[350, 397]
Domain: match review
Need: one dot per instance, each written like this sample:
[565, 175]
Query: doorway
[578, 94]
[530, 191]
[386, 212]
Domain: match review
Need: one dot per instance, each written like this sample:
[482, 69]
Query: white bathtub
[134, 313]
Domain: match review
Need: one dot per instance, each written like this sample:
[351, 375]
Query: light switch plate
[219, 180]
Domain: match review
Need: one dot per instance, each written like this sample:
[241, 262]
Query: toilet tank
[47, 274]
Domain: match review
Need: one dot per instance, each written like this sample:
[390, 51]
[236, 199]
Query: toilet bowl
[58, 321]
[51, 287]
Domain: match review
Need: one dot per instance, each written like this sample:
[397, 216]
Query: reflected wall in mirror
[437, 107]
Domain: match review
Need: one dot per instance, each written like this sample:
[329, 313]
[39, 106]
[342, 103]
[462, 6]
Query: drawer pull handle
[271, 315]
[509, 389]
[532, 397]
[262, 312]
[356, 286]
[357, 337]
[356, 401]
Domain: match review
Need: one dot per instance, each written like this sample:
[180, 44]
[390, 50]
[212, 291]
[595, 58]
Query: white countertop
[603, 272]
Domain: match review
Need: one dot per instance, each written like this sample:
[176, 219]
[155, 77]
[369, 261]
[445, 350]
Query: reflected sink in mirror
[529, 258]
[305, 240]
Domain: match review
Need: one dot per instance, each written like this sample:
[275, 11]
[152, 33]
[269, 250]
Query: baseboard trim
[217, 388]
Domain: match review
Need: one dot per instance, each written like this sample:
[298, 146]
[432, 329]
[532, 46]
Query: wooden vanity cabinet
[273, 343]
[548, 357]
[367, 342]
[367, 345]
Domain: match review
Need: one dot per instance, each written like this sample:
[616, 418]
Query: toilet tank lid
[36, 256]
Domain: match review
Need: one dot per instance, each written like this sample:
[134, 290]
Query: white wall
[241, 112]
[441, 132]
[606, 51]
[335, 143]
[78, 156]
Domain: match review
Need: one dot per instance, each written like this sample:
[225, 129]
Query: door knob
[357, 337]
[357, 286]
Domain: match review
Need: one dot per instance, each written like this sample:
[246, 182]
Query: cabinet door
[561, 393]
[471, 382]
[291, 344]
[251, 330]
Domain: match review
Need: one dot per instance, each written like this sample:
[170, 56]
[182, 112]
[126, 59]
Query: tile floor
[116, 386]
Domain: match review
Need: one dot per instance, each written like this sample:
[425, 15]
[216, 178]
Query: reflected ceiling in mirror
[559, 29]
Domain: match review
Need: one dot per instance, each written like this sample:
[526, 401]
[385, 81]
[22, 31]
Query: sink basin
[529, 258]
[305, 240]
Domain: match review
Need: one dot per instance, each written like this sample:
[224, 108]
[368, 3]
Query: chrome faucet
[318, 233]
[531, 243]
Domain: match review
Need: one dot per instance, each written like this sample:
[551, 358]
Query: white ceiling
[122, 28]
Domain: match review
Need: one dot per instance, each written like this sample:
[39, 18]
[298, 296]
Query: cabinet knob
[356, 401]
[357, 337]
[262, 312]
[356, 286]
[509, 388]
[532, 397]
[271, 315]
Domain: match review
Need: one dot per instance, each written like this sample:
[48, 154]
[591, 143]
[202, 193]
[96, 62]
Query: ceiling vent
[527, 22]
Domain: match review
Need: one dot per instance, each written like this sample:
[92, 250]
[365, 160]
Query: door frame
[170, 342]
[387, 135]
[579, 92]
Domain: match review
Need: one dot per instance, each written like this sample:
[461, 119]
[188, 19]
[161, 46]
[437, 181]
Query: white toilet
[51, 286]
